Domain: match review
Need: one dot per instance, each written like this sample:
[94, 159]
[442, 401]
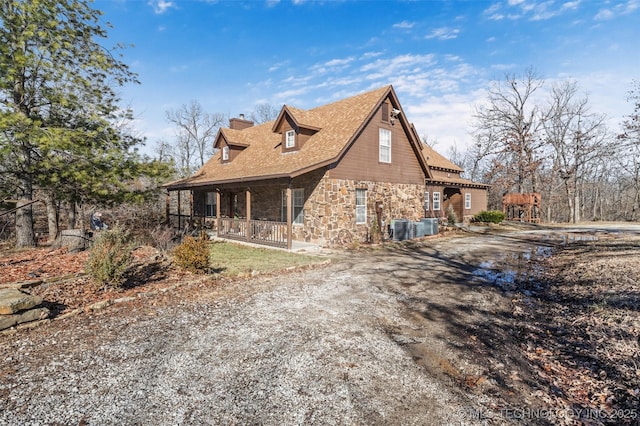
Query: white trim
[426, 200]
[225, 153]
[436, 201]
[290, 139]
[467, 201]
[384, 145]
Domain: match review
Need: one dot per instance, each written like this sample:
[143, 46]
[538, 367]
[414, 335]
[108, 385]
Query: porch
[243, 219]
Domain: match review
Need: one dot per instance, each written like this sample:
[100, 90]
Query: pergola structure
[522, 207]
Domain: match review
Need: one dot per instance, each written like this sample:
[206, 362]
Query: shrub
[491, 216]
[452, 218]
[193, 254]
[110, 257]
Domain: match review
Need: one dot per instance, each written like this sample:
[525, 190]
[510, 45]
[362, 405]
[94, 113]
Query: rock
[37, 314]
[13, 300]
[74, 239]
[22, 284]
[7, 321]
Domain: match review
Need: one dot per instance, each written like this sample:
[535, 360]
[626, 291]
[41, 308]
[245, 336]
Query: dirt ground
[519, 325]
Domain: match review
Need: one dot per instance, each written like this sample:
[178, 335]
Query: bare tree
[264, 113]
[578, 138]
[506, 130]
[196, 130]
[629, 159]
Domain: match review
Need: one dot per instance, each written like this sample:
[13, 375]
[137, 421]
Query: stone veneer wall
[331, 206]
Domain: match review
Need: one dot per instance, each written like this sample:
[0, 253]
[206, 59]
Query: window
[361, 206]
[225, 153]
[298, 206]
[210, 204]
[467, 201]
[436, 201]
[426, 201]
[290, 140]
[385, 146]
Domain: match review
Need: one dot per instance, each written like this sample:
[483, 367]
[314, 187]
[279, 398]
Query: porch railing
[264, 232]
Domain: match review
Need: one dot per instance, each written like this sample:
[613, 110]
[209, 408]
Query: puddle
[515, 271]
[571, 237]
[520, 271]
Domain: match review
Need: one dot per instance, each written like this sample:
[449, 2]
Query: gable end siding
[361, 161]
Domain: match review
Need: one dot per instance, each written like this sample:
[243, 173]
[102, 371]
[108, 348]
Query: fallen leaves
[587, 349]
[61, 282]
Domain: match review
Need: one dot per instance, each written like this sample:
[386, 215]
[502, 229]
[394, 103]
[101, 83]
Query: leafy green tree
[60, 123]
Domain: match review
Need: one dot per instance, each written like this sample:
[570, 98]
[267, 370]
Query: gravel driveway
[360, 341]
[302, 348]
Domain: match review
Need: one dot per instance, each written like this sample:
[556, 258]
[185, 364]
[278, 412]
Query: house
[346, 169]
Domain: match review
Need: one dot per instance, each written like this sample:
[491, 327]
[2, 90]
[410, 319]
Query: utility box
[419, 229]
[431, 225]
[401, 229]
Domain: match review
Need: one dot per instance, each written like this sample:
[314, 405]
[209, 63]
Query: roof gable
[296, 117]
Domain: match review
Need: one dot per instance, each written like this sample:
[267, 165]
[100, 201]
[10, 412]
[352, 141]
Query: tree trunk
[596, 202]
[576, 206]
[25, 237]
[52, 216]
[71, 222]
[570, 201]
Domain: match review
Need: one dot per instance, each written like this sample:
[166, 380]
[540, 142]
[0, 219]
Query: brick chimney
[239, 123]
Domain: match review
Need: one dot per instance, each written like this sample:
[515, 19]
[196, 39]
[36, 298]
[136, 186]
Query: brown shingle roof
[339, 123]
[434, 159]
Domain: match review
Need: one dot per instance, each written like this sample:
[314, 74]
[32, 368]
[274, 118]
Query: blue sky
[440, 56]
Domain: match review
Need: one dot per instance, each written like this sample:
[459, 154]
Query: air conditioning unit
[431, 226]
[401, 229]
[419, 229]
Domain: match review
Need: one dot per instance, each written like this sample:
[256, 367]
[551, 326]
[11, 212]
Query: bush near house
[193, 254]
[491, 216]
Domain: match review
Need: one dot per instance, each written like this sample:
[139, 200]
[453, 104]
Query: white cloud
[446, 119]
[405, 25]
[278, 65]
[604, 15]
[338, 62]
[530, 9]
[368, 55]
[443, 33]
[493, 12]
[625, 8]
[161, 6]
[571, 5]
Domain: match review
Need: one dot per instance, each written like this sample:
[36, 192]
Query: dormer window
[225, 153]
[290, 139]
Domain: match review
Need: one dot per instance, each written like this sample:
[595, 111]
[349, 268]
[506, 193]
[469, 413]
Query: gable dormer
[293, 132]
[229, 148]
